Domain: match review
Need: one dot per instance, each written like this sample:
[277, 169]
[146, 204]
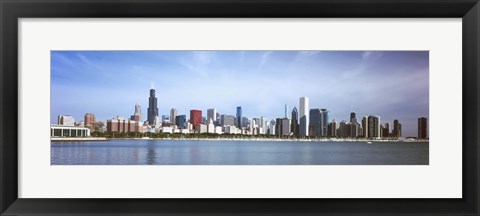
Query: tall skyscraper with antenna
[152, 106]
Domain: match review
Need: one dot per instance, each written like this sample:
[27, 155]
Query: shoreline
[77, 139]
[88, 139]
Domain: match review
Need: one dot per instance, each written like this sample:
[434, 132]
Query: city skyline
[197, 83]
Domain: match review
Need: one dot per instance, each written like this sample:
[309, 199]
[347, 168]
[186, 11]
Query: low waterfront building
[69, 131]
[231, 129]
[218, 129]
[122, 125]
[167, 130]
[201, 128]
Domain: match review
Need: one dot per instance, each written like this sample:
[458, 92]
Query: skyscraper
[353, 117]
[397, 129]
[90, 121]
[173, 116]
[304, 109]
[152, 106]
[422, 128]
[138, 109]
[278, 127]
[227, 120]
[211, 114]
[354, 129]
[286, 111]
[324, 122]
[386, 130]
[332, 129]
[181, 121]
[343, 129]
[195, 117]
[294, 126]
[239, 117]
[365, 126]
[271, 128]
[373, 126]
[138, 113]
[285, 127]
[315, 123]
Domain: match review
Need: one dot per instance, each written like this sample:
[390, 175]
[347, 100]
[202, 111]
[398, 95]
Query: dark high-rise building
[244, 122]
[152, 107]
[238, 122]
[343, 129]
[422, 128]
[278, 127]
[386, 130]
[353, 117]
[332, 129]
[181, 121]
[354, 130]
[397, 129]
[195, 117]
[294, 127]
[324, 122]
[373, 127]
[315, 122]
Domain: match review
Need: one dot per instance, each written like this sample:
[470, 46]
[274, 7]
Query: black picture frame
[12, 10]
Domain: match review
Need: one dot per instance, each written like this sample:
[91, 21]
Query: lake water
[196, 152]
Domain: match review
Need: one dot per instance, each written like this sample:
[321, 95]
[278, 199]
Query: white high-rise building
[211, 114]
[304, 117]
[138, 109]
[66, 120]
[210, 126]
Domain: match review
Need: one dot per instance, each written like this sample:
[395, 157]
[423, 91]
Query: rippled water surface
[195, 152]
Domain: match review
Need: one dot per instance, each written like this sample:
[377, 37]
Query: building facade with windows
[68, 131]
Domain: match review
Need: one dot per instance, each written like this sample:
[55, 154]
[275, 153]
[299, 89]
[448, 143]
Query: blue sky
[391, 84]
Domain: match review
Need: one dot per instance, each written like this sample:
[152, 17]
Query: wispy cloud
[309, 52]
[371, 55]
[199, 62]
[264, 59]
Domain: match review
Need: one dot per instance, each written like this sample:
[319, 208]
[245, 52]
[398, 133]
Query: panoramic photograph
[239, 107]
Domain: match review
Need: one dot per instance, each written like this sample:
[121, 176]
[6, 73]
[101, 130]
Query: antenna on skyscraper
[152, 86]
